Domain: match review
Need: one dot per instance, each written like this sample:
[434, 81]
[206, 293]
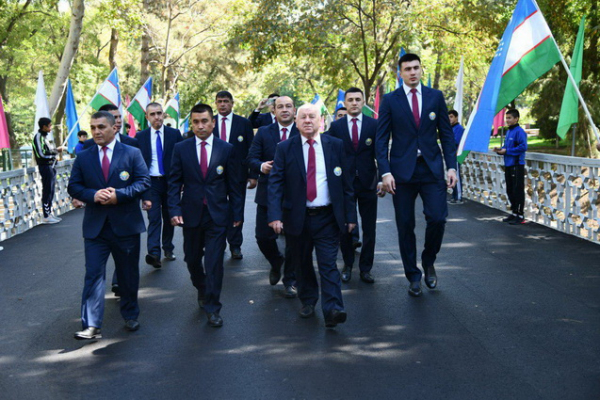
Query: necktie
[159, 154]
[105, 164]
[223, 130]
[355, 133]
[415, 107]
[203, 164]
[284, 136]
[311, 173]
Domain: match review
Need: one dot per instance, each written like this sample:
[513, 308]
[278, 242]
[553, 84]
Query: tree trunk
[145, 56]
[112, 51]
[59, 115]
[69, 53]
[438, 70]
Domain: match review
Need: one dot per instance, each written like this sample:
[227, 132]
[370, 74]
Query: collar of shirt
[407, 89]
[289, 128]
[209, 140]
[111, 146]
[317, 139]
[228, 116]
[109, 153]
[161, 130]
[359, 119]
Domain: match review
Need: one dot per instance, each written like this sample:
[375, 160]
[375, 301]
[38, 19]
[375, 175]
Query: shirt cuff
[386, 174]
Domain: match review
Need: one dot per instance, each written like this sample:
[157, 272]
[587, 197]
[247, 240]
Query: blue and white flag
[340, 100]
[398, 79]
[72, 119]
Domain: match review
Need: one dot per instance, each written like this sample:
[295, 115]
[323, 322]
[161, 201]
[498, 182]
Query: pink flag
[4, 140]
[376, 104]
[499, 120]
[130, 121]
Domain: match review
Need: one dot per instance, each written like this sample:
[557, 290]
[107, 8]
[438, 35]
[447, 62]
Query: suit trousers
[126, 254]
[266, 238]
[367, 207]
[234, 233]
[515, 187]
[321, 233]
[48, 174]
[206, 240]
[433, 194]
[158, 217]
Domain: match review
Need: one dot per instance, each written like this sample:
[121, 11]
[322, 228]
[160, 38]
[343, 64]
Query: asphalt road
[515, 316]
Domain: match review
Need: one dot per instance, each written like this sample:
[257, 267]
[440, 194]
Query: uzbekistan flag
[109, 92]
[340, 100]
[140, 102]
[526, 51]
[173, 109]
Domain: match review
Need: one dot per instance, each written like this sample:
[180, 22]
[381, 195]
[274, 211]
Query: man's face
[118, 119]
[155, 116]
[102, 131]
[202, 125]
[411, 73]
[307, 121]
[354, 103]
[82, 138]
[453, 119]
[47, 128]
[341, 114]
[510, 120]
[284, 110]
[224, 105]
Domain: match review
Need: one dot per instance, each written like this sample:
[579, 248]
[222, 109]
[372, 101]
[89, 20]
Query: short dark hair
[104, 114]
[202, 108]
[408, 57]
[514, 112]
[44, 122]
[154, 104]
[341, 109]
[453, 112]
[224, 94]
[273, 95]
[108, 107]
[354, 90]
[82, 133]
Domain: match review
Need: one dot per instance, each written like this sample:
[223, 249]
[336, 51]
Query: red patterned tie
[105, 164]
[415, 107]
[355, 133]
[223, 130]
[311, 173]
[203, 163]
[284, 136]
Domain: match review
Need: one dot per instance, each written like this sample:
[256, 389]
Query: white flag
[458, 100]
[41, 102]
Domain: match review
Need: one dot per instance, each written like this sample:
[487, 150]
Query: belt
[311, 211]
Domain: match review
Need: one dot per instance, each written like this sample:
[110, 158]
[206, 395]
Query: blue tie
[159, 153]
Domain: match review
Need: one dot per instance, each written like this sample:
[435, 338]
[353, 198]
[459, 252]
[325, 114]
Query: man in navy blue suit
[260, 161]
[238, 131]
[111, 178]
[310, 196]
[414, 116]
[206, 169]
[258, 119]
[358, 131]
[156, 144]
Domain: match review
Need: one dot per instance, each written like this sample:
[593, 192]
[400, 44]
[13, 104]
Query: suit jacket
[171, 137]
[128, 140]
[362, 161]
[263, 149]
[219, 187]
[287, 185]
[395, 116]
[259, 120]
[240, 137]
[128, 175]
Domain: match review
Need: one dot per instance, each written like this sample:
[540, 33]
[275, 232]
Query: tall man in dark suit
[310, 196]
[111, 178]
[265, 119]
[238, 131]
[260, 161]
[415, 116]
[156, 144]
[358, 131]
[206, 168]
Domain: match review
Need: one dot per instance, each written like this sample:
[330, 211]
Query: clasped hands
[178, 221]
[277, 226]
[106, 196]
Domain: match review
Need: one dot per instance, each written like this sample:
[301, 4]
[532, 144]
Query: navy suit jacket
[128, 175]
[287, 185]
[362, 161]
[240, 137]
[219, 187]
[262, 150]
[258, 120]
[396, 120]
[128, 140]
[171, 137]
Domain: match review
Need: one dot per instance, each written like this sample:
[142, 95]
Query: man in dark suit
[236, 130]
[156, 144]
[415, 116]
[111, 178]
[260, 161]
[265, 119]
[206, 168]
[114, 111]
[358, 131]
[310, 196]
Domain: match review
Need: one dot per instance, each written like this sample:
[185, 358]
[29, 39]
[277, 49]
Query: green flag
[569, 111]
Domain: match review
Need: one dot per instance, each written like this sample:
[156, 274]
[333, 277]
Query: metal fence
[561, 192]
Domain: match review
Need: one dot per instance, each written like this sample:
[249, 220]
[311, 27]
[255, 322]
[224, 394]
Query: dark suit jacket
[128, 175]
[171, 137]
[395, 117]
[362, 161]
[287, 185]
[258, 120]
[219, 187]
[263, 149]
[240, 137]
[128, 140]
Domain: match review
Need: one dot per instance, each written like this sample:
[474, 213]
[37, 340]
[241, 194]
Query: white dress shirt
[409, 96]
[359, 118]
[109, 152]
[209, 145]
[322, 198]
[287, 133]
[273, 118]
[227, 124]
[154, 171]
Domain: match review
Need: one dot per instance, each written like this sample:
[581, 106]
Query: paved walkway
[515, 316]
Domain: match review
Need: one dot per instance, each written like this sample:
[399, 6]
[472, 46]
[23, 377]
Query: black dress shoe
[335, 317]
[430, 277]
[274, 275]
[169, 256]
[346, 274]
[115, 289]
[357, 244]
[236, 253]
[366, 277]
[307, 311]
[132, 325]
[153, 260]
[510, 218]
[215, 320]
[415, 289]
[88, 334]
[290, 292]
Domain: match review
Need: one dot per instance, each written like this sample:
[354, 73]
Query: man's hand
[112, 199]
[237, 223]
[351, 227]
[380, 191]
[277, 226]
[146, 205]
[389, 184]
[499, 150]
[262, 104]
[452, 178]
[102, 196]
[60, 149]
[266, 167]
[78, 203]
[177, 221]
[252, 183]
